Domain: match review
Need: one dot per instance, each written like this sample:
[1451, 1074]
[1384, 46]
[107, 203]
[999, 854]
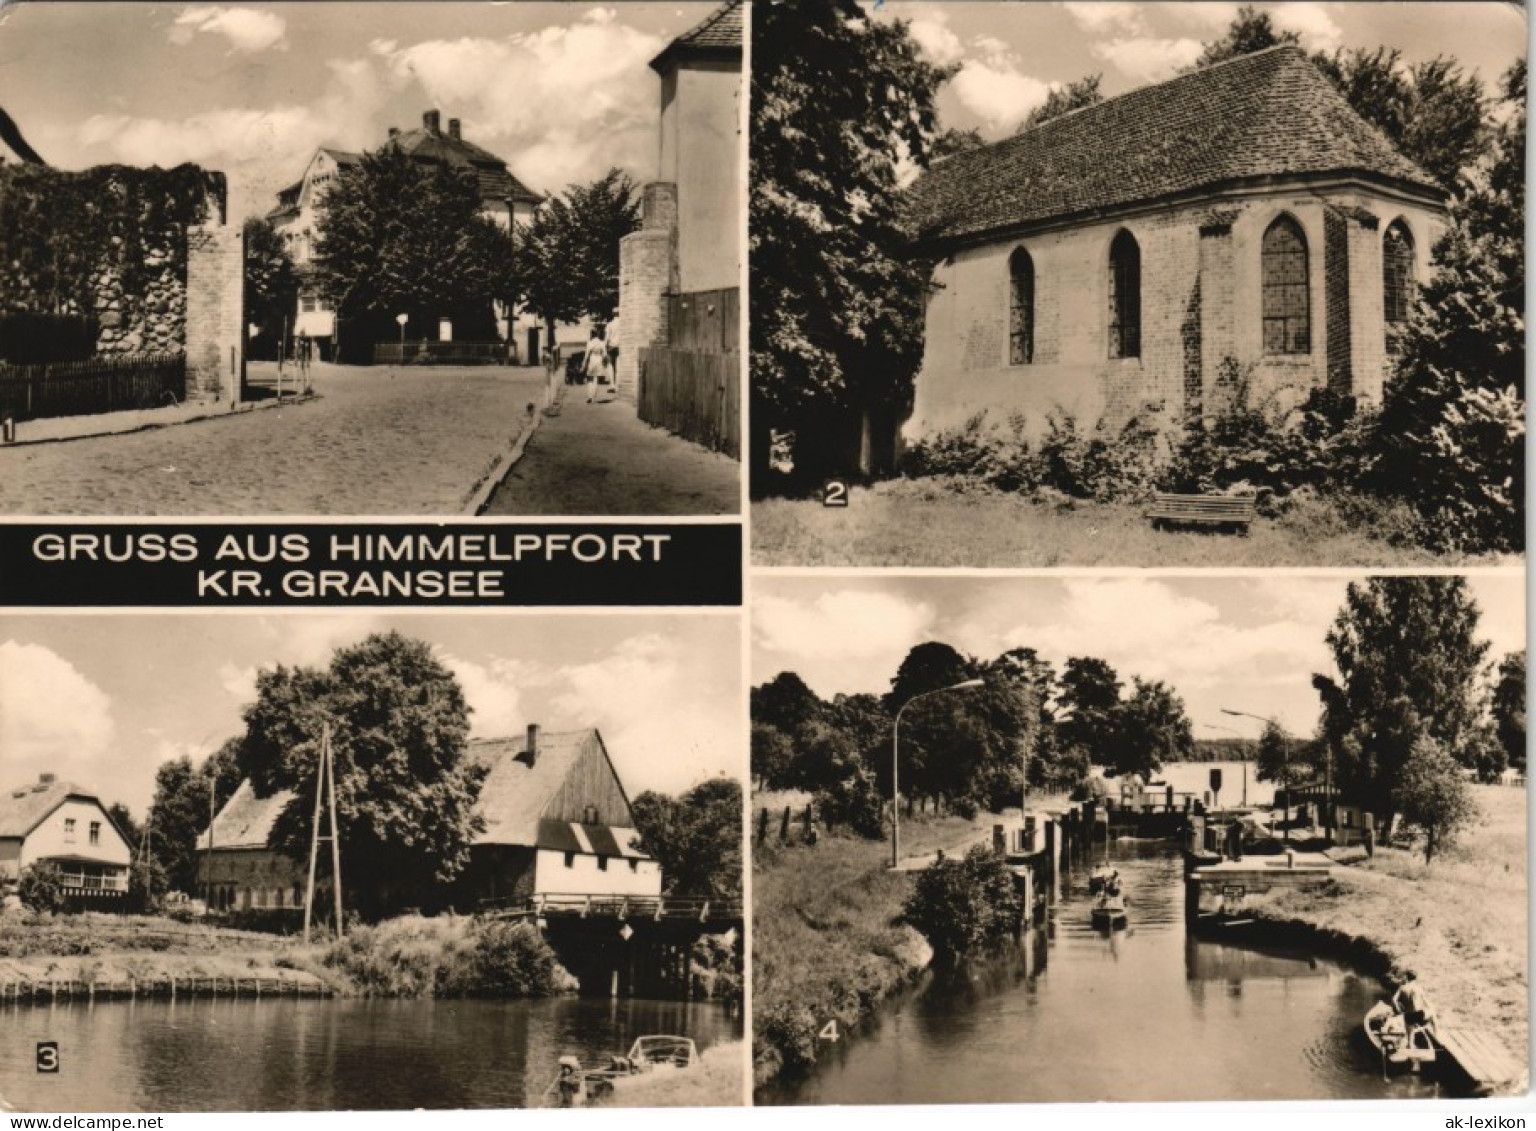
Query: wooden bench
[1208, 510]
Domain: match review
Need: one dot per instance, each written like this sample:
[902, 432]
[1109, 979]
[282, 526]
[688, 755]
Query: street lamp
[896, 761]
[1285, 773]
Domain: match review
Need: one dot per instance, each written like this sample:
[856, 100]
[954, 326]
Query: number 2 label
[834, 493]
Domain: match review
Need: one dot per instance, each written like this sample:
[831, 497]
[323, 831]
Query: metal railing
[614, 906]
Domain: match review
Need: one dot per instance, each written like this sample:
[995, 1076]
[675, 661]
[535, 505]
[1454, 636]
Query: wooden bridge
[716, 915]
[1488, 1065]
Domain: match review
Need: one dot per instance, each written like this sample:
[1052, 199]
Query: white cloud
[934, 36]
[52, 718]
[1148, 58]
[246, 28]
[1100, 18]
[239, 682]
[568, 100]
[494, 691]
[841, 624]
[1312, 22]
[999, 94]
[1212, 18]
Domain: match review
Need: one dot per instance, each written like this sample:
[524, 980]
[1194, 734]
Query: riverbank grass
[826, 944]
[718, 1079]
[1461, 922]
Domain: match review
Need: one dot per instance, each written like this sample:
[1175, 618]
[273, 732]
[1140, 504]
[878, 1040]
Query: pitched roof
[22, 809]
[495, 179]
[246, 820]
[1258, 117]
[512, 800]
[717, 37]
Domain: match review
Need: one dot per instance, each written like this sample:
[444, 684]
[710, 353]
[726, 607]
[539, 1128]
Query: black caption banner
[375, 564]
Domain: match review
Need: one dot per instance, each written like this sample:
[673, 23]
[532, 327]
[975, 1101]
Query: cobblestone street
[378, 441]
[601, 459]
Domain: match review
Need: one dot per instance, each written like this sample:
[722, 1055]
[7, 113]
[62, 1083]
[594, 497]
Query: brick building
[503, 198]
[557, 822]
[1240, 218]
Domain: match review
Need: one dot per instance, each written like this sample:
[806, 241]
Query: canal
[320, 1055]
[1147, 1013]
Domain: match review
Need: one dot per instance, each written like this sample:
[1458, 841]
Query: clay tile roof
[495, 180]
[1268, 115]
[23, 807]
[717, 37]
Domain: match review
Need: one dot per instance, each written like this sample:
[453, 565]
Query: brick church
[1240, 218]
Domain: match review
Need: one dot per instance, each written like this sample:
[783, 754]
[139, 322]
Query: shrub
[41, 888]
[28, 338]
[714, 968]
[510, 960]
[414, 956]
[962, 906]
[853, 802]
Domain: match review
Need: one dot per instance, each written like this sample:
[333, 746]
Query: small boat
[1400, 1045]
[576, 1086]
[1109, 910]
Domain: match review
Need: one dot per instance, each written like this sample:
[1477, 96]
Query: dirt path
[600, 459]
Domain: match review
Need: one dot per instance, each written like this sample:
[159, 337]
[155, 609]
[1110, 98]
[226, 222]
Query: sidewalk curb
[480, 494]
[154, 425]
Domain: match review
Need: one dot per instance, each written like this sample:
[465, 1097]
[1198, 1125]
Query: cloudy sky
[1010, 55]
[1245, 643]
[103, 700]
[561, 91]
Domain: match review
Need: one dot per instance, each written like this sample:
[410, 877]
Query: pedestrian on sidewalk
[595, 362]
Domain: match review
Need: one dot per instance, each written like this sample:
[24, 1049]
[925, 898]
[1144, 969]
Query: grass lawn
[1460, 922]
[717, 1080]
[914, 523]
[825, 942]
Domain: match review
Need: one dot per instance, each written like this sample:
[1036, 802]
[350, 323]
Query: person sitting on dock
[1413, 1003]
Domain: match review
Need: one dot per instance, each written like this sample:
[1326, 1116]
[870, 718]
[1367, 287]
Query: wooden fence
[102, 384]
[696, 395]
[441, 353]
[705, 321]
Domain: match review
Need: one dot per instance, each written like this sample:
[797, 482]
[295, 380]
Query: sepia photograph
[346, 862]
[1076, 839]
[399, 259]
[1145, 285]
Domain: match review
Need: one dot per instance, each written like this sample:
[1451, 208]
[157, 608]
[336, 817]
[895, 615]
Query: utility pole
[325, 781]
[208, 856]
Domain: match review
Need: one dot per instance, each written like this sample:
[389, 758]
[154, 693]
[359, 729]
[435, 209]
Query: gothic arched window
[1396, 281]
[1021, 308]
[1124, 296]
[1287, 301]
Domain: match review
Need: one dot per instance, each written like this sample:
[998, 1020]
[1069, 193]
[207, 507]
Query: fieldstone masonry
[148, 322]
[215, 321]
[648, 273]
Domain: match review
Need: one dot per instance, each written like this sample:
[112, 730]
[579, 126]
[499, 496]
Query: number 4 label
[829, 1031]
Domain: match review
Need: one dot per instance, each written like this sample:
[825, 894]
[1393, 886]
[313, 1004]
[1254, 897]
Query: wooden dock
[1486, 1063]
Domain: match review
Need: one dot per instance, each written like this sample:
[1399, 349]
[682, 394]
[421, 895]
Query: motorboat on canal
[1401, 1046]
[577, 1086]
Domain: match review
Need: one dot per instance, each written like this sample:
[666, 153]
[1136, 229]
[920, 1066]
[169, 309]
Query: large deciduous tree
[405, 792]
[271, 287]
[185, 797]
[1150, 727]
[1509, 708]
[396, 236]
[842, 100]
[696, 838]
[1063, 100]
[1251, 30]
[1088, 699]
[568, 257]
[1409, 665]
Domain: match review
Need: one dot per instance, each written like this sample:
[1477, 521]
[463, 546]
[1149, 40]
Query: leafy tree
[271, 286]
[696, 838]
[1409, 665]
[41, 887]
[1088, 697]
[1509, 708]
[405, 793]
[1063, 100]
[1150, 728]
[396, 236]
[1432, 110]
[180, 814]
[1278, 759]
[839, 101]
[851, 798]
[1432, 794]
[1250, 31]
[568, 257]
[785, 702]
[953, 141]
[1452, 428]
[927, 667]
[772, 755]
[963, 906]
[125, 823]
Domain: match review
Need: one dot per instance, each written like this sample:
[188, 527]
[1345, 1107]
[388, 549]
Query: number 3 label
[47, 1056]
[834, 493]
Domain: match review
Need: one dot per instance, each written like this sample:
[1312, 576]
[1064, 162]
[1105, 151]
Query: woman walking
[594, 363]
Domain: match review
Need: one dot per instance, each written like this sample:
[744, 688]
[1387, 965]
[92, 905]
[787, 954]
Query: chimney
[394, 132]
[47, 779]
[432, 121]
[533, 743]
[453, 128]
